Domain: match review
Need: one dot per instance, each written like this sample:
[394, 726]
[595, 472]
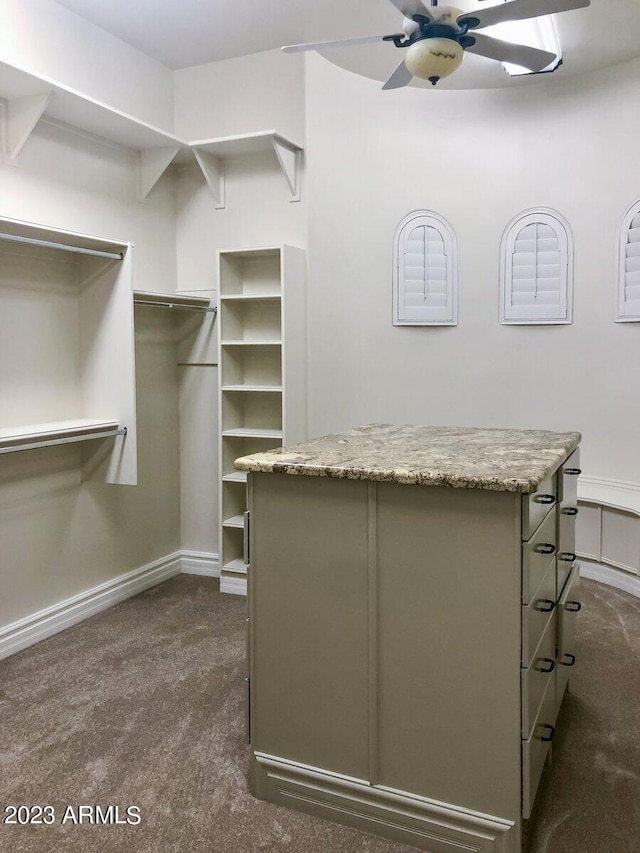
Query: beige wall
[263, 91]
[43, 37]
[477, 158]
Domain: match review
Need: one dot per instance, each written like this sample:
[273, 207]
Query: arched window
[424, 271]
[628, 307]
[536, 260]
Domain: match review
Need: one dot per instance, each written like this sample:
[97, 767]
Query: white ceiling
[181, 33]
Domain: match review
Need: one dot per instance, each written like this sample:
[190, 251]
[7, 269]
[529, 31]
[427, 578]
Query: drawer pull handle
[545, 548]
[571, 659]
[568, 556]
[545, 499]
[573, 606]
[573, 472]
[549, 605]
[546, 665]
[572, 510]
[550, 729]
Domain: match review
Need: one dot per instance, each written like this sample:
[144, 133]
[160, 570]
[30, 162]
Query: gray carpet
[143, 705]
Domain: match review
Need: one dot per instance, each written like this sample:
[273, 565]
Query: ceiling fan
[436, 37]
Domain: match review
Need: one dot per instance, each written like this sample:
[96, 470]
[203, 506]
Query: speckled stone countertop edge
[535, 463]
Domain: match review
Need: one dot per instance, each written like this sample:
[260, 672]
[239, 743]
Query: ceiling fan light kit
[433, 58]
[436, 38]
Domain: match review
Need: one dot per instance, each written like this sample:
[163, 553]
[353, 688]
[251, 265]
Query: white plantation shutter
[424, 271]
[535, 281]
[629, 279]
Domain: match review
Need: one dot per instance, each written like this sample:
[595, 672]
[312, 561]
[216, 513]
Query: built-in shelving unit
[211, 154]
[262, 370]
[66, 347]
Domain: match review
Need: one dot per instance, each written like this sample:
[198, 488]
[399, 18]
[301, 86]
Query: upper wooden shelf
[31, 96]
[210, 154]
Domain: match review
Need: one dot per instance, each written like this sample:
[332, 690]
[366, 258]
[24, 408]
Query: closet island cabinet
[67, 348]
[412, 592]
[262, 375]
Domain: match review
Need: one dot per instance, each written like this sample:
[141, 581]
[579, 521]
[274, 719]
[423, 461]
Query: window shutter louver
[535, 281]
[629, 278]
[424, 271]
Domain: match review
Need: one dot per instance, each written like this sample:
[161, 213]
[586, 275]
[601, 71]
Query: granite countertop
[503, 460]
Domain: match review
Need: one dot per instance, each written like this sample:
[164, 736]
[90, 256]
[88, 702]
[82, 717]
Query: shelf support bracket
[213, 171]
[289, 159]
[21, 116]
[152, 164]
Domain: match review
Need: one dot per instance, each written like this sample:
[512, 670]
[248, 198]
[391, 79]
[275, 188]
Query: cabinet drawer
[536, 748]
[537, 555]
[568, 607]
[537, 677]
[568, 480]
[566, 543]
[537, 613]
[537, 505]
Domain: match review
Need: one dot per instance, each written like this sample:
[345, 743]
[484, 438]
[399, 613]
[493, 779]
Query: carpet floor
[143, 705]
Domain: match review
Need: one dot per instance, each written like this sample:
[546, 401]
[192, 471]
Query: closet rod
[70, 439]
[117, 256]
[168, 304]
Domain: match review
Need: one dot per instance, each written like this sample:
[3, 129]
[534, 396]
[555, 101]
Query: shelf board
[237, 566]
[251, 343]
[71, 107]
[58, 432]
[172, 300]
[248, 432]
[236, 477]
[251, 297]
[211, 153]
[31, 96]
[234, 521]
[271, 389]
[245, 143]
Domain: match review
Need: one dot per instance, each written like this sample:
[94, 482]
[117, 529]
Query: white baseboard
[25, 632]
[610, 576]
[236, 586]
[200, 563]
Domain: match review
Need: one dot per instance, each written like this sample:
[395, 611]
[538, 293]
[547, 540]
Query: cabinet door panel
[535, 750]
[536, 615]
[538, 554]
[319, 713]
[536, 506]
[537, 677]
[568, 480]
[567, 610]
[448, 603]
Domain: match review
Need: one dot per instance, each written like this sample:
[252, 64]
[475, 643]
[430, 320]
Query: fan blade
[400, 77]
[409, 8]
[320, 45]
[505, 51]
[518, 10]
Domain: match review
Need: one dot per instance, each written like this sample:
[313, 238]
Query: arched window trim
[626, 310]
[526, 315]
[429, 316]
